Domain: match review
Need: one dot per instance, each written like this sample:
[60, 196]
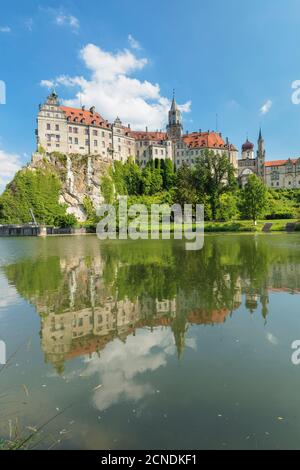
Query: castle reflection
[86, 300]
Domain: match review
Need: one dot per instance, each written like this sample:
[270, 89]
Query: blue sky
[227, 58]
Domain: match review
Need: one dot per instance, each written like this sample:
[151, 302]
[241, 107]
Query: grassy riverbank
[248, 226]
[238, 226]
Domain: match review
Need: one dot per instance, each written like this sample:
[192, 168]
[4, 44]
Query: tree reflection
[106, 291]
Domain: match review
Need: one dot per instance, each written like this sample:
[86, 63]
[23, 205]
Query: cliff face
[80, 178]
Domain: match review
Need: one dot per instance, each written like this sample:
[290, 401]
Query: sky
[234, 66]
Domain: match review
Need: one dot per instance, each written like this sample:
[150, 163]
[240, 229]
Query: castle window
[70, 140]
[95, 132]
[95, 143]
[87, 142]
[86, 131]
[57, 138]
[56, 127]
[48, 127]
[70, 129]
[75, 130]
[103, 134]
[76, 140]
[103, 143]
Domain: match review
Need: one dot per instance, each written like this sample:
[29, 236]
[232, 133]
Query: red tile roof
[281, 162]
[140, 135]
[206, 140]
[76, 115]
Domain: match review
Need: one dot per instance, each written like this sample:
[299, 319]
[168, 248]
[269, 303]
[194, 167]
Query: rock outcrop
[80, 178]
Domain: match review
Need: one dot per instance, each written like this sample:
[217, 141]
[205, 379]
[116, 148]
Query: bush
[65, 221]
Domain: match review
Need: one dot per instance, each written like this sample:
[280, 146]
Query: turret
[174, 127]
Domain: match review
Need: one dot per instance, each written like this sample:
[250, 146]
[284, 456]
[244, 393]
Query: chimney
[187, 132]
[200, 131]
[220, 134]
[92, 109]
[83, 108]
[146, 129]
[227, 141]
[208, 131]
[128, 126]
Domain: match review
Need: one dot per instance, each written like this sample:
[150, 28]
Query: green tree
[132, 178]
[38, 190]
[254, 198]
[168, 174]
[214, 175]
[185, 186]
[227, 207]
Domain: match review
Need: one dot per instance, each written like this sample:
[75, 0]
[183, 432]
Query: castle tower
[247, 150]
[174, 127]
[261, 156]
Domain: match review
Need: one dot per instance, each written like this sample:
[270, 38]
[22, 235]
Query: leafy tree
[65, 220]
[38, 190]
[227, 207]
[132, 178]
[185, 186]
[107, 189]
[168, 174]
[254, 198]
[152, 181]
[214, 175]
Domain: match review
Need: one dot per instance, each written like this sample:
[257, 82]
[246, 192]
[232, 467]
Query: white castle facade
[85, 132]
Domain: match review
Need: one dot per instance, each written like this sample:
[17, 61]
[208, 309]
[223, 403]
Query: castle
[80, 131]
[276, 174]
[84, 131]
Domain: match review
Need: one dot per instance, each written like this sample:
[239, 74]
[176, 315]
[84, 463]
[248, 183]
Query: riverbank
[248, 226]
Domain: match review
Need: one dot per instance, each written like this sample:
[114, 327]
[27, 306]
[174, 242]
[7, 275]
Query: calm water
[150, 346]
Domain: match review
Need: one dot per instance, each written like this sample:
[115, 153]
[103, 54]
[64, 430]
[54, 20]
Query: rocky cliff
[80, 177]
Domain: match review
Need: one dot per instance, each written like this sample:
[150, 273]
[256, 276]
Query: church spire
[174, 127]
[260, 135]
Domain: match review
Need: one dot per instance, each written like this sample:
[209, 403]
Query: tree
[254, 198]
[214, 175]
[185, 186]
[133, 178]
[227, 207]
[168, 174]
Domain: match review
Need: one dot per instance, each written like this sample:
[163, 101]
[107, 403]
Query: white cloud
[272, 339]
[266, 107]
[121, 366]
[5, 29]
[47, 84]
[8, 294]
[9, 165]
[62, 18]
[134, 44]
[67, 20]
[115, 92]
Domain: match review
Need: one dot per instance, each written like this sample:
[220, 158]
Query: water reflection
[97, 299]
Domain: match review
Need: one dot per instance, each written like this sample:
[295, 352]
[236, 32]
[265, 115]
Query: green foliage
[254, 198]
[186, 192]
[41, 150]
[89, 208]
[65, 221]
[227, 207]
[107, 189]
[32, 189]
[281, 204]
[214, 175]
[168, 174]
